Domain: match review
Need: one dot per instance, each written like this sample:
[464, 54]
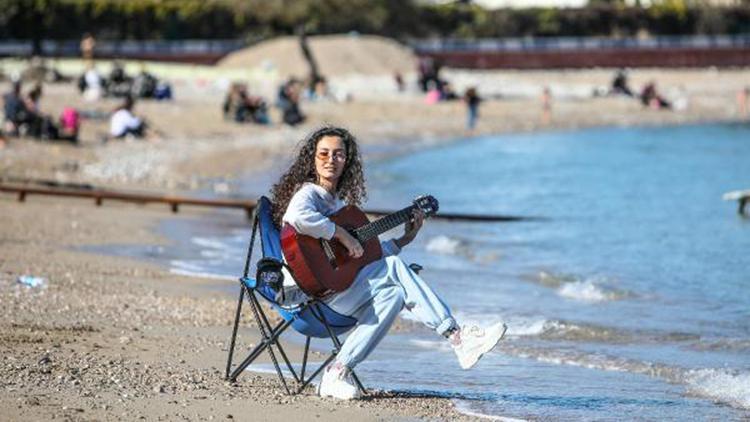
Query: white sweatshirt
[309, 209]
[308, 213]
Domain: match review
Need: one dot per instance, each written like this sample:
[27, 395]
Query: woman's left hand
[412, 228]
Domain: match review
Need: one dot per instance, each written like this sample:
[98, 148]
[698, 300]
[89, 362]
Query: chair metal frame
[312, 312]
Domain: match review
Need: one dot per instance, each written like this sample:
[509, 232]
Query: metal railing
[50, 188]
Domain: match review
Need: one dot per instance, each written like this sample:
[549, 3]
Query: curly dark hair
[351, 187]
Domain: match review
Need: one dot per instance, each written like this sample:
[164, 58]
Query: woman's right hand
[351, 244]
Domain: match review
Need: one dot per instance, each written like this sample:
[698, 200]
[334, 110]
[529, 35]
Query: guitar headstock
[428, 204]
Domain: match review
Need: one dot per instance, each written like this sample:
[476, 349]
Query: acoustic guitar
[322, 267]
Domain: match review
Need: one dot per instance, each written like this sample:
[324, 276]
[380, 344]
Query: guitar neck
[371, 230]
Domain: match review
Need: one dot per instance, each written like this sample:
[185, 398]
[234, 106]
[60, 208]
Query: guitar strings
[375, 228]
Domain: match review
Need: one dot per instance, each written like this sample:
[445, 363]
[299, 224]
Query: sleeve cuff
[331, 230]
[391, 247]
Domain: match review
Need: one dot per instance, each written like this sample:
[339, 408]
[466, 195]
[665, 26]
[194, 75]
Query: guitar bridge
[329, 253]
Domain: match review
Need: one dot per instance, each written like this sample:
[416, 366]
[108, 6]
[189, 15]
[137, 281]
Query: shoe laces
[343, 372]
[473, 330]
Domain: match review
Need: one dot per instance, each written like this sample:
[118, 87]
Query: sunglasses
[324, 155]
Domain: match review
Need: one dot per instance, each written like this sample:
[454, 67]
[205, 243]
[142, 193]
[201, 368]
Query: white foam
[727, 386]
[198, 274]
[445, 245]
[593, 361]
[462, 407]
[518, 326]
[431, 344]
[721, 385]
[208, 242]
[585, 291]
[216, 253]
[529, 327]
[479, 319]
[185, 265]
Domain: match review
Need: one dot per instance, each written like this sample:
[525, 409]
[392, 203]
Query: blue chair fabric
[304, 321]
[313, 319]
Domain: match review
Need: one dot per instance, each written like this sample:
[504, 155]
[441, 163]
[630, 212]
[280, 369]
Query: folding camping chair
[313, 318]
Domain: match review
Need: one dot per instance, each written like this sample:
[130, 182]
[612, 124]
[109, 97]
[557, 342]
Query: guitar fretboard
[371, 230]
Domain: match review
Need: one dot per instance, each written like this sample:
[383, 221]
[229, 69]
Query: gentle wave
[552, 329]
[730, 345]
[592, 290]
[441, 345]
[603, 362]
[463, 407]
[447, 245]
[200, 274]
[722, 385]
[518, 327]
[209, 242]
[585, 291]
[453, 246]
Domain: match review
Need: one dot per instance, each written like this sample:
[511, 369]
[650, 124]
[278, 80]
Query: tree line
[401, 19]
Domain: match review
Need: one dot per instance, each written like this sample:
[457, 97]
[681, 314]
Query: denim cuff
[449, 324]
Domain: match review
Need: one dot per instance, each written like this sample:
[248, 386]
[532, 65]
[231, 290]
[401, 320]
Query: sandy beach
[194, 146]
[114, 338]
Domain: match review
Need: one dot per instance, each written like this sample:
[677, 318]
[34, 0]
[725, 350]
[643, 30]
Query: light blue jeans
[381, 290]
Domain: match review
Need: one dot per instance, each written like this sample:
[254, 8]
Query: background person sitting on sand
[70, 124]
[288, 102]
[32, 99]
[242, 107]
[650, 97]
[40, 125]
[620, 84]
[124, 123]
[119, 83]
[16, 114]
[91, 84]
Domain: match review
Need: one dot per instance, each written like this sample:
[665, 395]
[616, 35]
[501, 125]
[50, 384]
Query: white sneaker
[473, 342]
[337, 383]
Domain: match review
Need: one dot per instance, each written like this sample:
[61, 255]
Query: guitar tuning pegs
[427, 203]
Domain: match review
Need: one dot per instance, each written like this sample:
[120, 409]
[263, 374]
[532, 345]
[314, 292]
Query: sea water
[626, 297]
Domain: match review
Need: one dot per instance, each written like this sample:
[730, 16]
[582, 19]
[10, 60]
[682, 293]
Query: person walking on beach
[472, 100]
[546, 106]
[326, 174]
[88, 43]
[743, 102]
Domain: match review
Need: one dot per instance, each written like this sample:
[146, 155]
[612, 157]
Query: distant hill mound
[335, 55]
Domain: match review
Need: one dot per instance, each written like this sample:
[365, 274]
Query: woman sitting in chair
[326, 175]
